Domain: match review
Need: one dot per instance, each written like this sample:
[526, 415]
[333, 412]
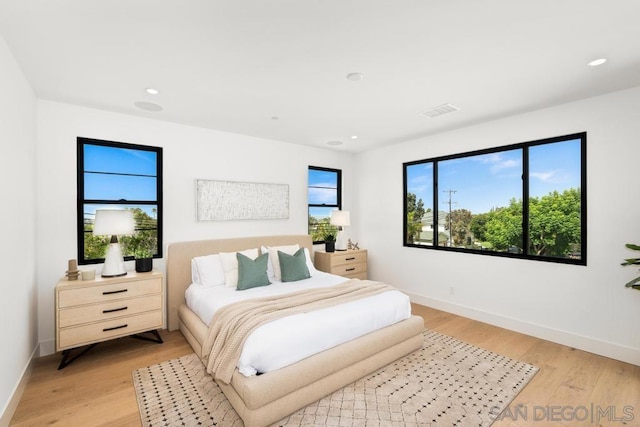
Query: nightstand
[92, 311]
[349, 263]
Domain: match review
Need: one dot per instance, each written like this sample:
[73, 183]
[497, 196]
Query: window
[113, 175]
[525, 200]
[325, 195]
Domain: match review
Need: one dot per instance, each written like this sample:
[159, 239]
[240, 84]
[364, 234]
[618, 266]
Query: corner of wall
[46, 348]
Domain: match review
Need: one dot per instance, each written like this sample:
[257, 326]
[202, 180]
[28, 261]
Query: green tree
[460, 227]
[144, 242]
[415, 212]
[503, 229]
[318, 228]
[95, 247]
[555, 223]
[478, 226]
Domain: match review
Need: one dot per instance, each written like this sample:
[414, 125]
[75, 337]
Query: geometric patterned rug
[446, 383]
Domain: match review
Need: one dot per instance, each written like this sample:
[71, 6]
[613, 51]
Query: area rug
[446, 383]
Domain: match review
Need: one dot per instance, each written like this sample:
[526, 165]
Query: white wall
[189, 153]
[18, 326]
[585, 307]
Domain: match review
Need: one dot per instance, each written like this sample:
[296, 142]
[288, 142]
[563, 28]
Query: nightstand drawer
[349, 269]
[104, 293]
[101, 331]
[347, 257]
[108, 310]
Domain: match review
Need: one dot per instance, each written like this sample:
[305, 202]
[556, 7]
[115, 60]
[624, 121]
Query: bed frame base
[264, 399]
[298, 399]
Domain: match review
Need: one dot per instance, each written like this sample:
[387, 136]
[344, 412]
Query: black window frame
[524, 146]
[338, 205]
[81, 201]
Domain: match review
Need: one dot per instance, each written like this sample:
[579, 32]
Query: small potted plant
[142, 249]
[144, 260]
[330, 234]
[635, 283]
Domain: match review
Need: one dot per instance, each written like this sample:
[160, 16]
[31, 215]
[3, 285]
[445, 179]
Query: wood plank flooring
[97, 389]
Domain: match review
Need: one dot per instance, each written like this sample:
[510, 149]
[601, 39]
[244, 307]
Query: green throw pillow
[293, 267]
[252, 273]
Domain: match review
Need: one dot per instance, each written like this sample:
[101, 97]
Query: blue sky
[120, 161]
[491, 180]
[123, 161]
[322, 189]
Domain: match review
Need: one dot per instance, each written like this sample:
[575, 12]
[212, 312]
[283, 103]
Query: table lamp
[340, 219]
[113, 222]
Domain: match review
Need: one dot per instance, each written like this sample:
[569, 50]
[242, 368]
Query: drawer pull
[350, 269]
[115, 309]
[114, 292]
[114, 328]
[350, 258]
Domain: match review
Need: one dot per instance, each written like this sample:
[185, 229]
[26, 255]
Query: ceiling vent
[440, 110]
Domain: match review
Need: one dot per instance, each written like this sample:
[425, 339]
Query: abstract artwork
[230, 200]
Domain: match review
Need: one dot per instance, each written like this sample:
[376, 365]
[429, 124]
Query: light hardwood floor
[97, 389]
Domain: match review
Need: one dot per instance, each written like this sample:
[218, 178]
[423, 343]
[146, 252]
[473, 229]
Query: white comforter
[288, 340]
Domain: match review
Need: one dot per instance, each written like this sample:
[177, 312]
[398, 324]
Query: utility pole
[451, 192]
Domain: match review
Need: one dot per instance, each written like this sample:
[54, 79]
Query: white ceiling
[233, 65]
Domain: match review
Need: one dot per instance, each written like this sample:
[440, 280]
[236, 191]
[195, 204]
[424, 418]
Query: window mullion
[526, 238]
[436, 209]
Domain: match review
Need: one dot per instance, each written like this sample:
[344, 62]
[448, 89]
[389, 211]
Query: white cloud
[505, 164]
[498, 162]
[548, 176]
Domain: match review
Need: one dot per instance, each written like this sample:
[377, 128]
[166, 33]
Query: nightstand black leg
[67, 353]
[157, 340]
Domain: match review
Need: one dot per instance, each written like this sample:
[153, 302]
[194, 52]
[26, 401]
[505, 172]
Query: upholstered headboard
[179, 257]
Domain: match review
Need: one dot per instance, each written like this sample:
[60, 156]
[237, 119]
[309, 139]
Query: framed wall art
[231, 200]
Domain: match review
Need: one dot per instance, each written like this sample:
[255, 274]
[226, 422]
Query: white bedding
[288, 340]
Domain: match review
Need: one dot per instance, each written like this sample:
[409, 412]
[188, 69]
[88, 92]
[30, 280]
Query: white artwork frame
[234, 200]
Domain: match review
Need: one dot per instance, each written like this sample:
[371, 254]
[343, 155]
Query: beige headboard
[179, 257]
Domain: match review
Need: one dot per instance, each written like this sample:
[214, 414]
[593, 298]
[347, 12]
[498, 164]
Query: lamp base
[113, 275]
[340, 244]
[113, 262]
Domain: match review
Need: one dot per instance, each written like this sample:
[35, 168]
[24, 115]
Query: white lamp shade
[114, 222]
[340, 218]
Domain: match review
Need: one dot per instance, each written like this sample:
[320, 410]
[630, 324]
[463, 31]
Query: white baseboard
[602, 348]
[12, 405]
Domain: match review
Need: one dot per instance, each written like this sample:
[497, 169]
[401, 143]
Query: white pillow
[230, 265]
[310, 266]
[207, 270]
[273, 267]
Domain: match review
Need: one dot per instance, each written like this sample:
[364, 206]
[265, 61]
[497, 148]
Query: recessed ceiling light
[335, 142]
[354, 77]
[597, 62]
[147, 106]
[354, 136]
[151, 91]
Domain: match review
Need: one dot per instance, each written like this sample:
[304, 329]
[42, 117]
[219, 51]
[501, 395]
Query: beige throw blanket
[232, 324]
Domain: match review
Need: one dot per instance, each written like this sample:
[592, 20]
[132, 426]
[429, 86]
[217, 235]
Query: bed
[261, 400]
